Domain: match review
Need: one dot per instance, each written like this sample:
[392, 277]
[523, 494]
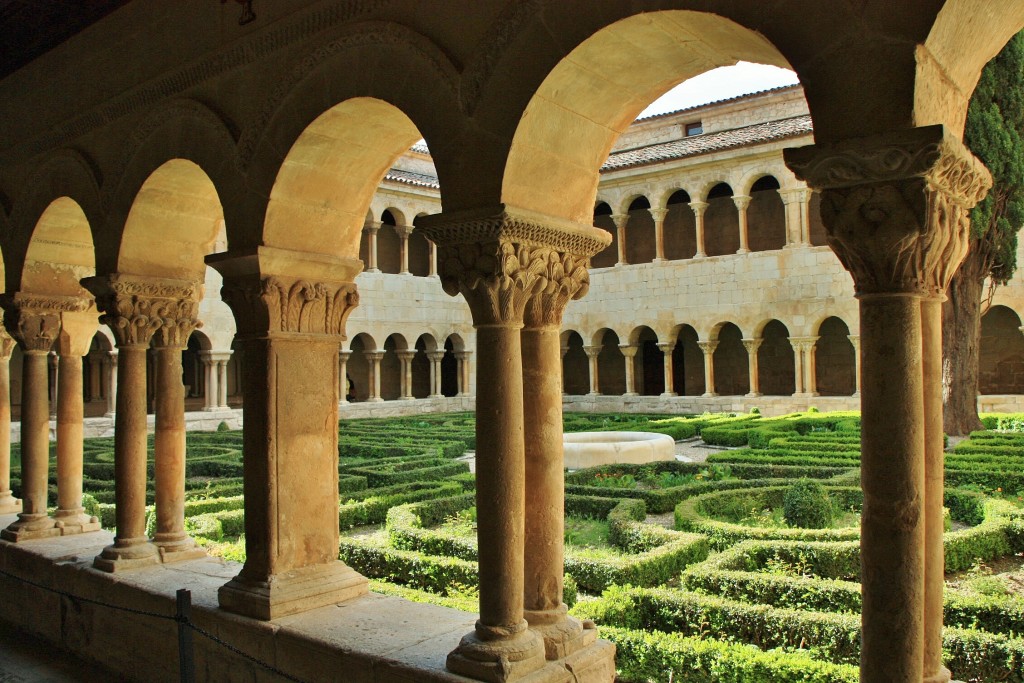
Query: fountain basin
[589, 449]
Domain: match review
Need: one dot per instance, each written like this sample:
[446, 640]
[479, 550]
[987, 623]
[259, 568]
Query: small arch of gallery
[721, 362]
[388, 244]
[404, 367]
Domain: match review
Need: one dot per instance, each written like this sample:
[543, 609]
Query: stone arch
[776, 368]
[834, 361]
[611, 364]
[766, 215]
[391, 367]
[575, 364]
[389, 258]
[450, 365]
[192, 375]
[422, 367]
[1001, 353]
[680, 229]
[419, 254]
[721, 221]
[358, 366]
[732, 376]
[608, 256]
[640, 246]
[649, 363]
[59, 252]
[687, 362]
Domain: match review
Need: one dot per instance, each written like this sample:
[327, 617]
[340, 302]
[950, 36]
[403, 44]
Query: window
[694, 128]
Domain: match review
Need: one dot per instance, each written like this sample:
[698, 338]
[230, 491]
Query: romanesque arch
[732, 376]
[835, 367]
[1001, 357]
[450, 382]
[422, 366]
[392, 367]
[611, 364]
[575, 365]
[688, 362]
[680, 227]
[389, 242]
[721, 221]
[603, 219]
[775, 362]
[766, 215]
[362, 368]
[640, 244]
[649, 363]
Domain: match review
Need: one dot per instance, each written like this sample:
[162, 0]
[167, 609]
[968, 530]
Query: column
[800, 388]
[628, 356]
[795, 201]
[666, 349]
[8, 503]
[73, 342]
[803, 355]
[95, 359]
[708, 349]
[592, 354]
[222, 380]
[698, 214]
[110, 363]
[811, 366]
[433, 259]
[373, 368]
[211, 379]
[742, 202]
[896, 208]
[621, 219]
[403, 250]
[659, 233]
[343, 357]
[855, 340]
[405, 357]
[169, 341]
[35, 324]
[371, 228]
[435, 372]
[465, 389]
[752, 345]
[291, 321]
[52, 363]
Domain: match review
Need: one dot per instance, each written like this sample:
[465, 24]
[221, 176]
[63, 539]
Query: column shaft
[111, 365]
[343, 376]
[592, 355]
[620, 227]
[698, 215]
[211, 367]
[752, 345]
[70, 514]
[659, 233]
[222, 384]
[669, 372]
[855, 340]
[8, 503]
[628, 357]
[708, 349]
[742, 202]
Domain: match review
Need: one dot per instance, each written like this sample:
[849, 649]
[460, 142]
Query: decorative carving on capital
[620, 219]
[803, 343]
[741, 201]
[34, 320]
[896, 206]
[592, 351]
[699, 208]
[137, 308]
[629, 350]
[277, 304]
[564, 278]
[658, 215]
[6, 345]
[752, 345]
[707, 347]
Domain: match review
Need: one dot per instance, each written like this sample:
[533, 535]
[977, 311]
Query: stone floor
[24, 659]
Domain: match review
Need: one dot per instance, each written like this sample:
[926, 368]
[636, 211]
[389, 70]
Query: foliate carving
[6, 345]
[707, 347]
[276, 304]
[136, 308]
[896, 208]
[35, 320]
[752, 345]
[564, 279]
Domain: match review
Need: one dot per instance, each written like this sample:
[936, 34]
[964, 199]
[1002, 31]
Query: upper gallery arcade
[157, 144]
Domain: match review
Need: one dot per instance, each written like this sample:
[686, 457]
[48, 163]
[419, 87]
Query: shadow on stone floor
[27, 659]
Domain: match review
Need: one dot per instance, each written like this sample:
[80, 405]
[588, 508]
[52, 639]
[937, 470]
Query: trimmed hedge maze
[692, 569]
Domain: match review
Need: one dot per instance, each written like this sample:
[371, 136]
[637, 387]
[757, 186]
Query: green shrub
[91, 505]
[807, 505]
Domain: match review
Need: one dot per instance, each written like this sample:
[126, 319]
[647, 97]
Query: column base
[376, 399]
[436, 396]
[742, 251]
[297, 591]
[667, 394]
[72, 522]
[562, 634]
[708, 394]
[29, 527]
[631, 393]
[125, 555]
[407, 398]
[658, 260]
[855, 394]
[752, 394]
[941, 676]
[211, 409]
[503, 659]
[177, 548]
[699, 254]
[595, 662]
[8, 503]
[594, 393]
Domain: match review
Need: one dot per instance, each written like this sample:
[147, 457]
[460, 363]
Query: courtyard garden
[741, 567]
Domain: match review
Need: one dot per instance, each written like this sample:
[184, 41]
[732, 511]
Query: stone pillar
[405, 357]
[373, 369]
[35, 322]
[433, 260]
[211, 378]
[222, 381]
[498, 261]
[290, 309]
[95, 359]
[896, 208]
[592, 353]
[621, 220]
[465, 389]
[803, 354]
[111, 364]
[798, 367]
[708, 349]
[77, 330]
[855, 340]
[169, 341]
[52, 365]
[659, 233]
[811, 366]
[742, 202]
[699, 208]
[666, 349]
[795, 201]
[435, 358]
[752, 345]
[371, 228]
[629, 355]
[8, 503]
[403, 249]
[343, 376]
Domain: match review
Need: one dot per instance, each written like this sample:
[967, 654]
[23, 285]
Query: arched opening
[688, 363]
[359, 366]
[776, 369]
[389, 245]
[732, 376]
[364, 243]
[610, 254]
[766, 216]
[96, 376]
[649, 365]
[575, 365]
[391, 367]
[1001, 356]
[193, 370]
[680, 228]
[721, 222]
[640, 245]
[422, 373]
[611, 364]
[818, 234]
[834, 361]
[450, 366]
[419, 255]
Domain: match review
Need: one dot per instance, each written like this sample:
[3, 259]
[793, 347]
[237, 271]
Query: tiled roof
[411, 178]
[421, 148]
[715, 103]
[709, 142]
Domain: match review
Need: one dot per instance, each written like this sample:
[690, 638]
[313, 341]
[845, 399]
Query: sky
[720, 84]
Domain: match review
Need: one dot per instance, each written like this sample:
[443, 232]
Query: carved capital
[629, 350]
[659, 215]
[6, 345]
[35, 320]
[137, 308]
[620, 219]
[741, 201]
[699, 208]
[667, 347]
[372, 227]
[896, 206]
[707, 347]
[752, 345]
[501, 259]
[803, 343]
[279, 304]
[592, 351]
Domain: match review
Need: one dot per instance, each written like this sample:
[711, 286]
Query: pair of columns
[405, 357]
[404, 231]
[517, 272]
[215, 376]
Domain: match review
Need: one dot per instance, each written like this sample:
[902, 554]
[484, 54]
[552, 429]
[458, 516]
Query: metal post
[186, 658]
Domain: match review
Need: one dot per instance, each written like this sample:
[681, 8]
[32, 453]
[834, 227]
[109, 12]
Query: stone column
[435, 373]
[592, 353]
[52, 365]
[628, 356]
[708, 349]
[742, 202]
[290, 309]
[373, 368]
[111, 364]
[659, 233]
[343, 376]
[803, 354]
[211, 378]
[498, 260]
[222, 381]
[752, 345]
[795, 202]
[896, 208]
[433, 260]
[371, 228]
[811, 366]
[798, 366]
[405, 357]
[77, 330]
[169, 341]
[464, 385]
[699, 208]
[8, 503]
[403, 249]
[855, 340]
[95, 376]
[35, 322]
[621, 220]
[666, 349]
